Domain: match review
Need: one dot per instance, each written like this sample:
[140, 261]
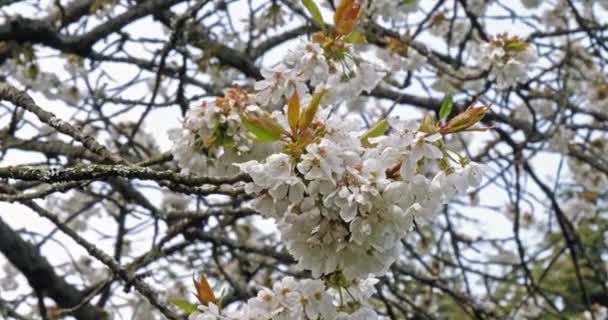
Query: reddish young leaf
[347, 16]
[293, 111]
[204, 294]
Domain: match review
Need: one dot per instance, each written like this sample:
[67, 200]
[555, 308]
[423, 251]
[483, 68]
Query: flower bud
[465, 120]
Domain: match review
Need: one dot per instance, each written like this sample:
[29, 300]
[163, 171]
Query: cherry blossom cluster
[291, 299]
[329, 60]
[584, 202]
[342, 195]
[454, 31]
[345, 196]
[598, 95]
[213, 137]
[594, 85]
[344, 70]
[389, 10]
[397, 11]
[587, 176]
[508, 59]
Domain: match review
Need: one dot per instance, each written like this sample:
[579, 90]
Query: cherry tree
[303, 159]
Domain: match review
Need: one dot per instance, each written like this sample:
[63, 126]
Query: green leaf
[377, 130]
[355, 37]
[314, 11]
[446, 107]
[184, 305]
[262, 128]
[311, 110]
[220, 302]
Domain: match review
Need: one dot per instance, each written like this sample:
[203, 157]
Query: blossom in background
[291, 299]
[561, 139]
[49, 84]
[556, 17]
[389, 10]
[597, 312]
[578, 208]
[478, 7]
[9, 281]
[585, 174]
[508, 59]
[398, 56]
[456, 31]
[597, 94]
[531, 4]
